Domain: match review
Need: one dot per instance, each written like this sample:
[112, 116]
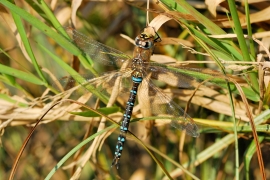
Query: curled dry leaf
[74, 7]
[212, 6]
[158, 21]
[63, 15]
[53, 4]
[174, 41]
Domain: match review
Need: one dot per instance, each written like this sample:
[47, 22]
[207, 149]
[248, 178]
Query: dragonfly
[137, 69]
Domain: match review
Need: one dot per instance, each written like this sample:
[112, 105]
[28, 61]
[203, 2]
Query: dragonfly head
[144, 41]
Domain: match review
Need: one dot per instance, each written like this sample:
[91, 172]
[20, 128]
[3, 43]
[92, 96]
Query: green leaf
[9, 99]
[74, 74]
[21, 75]
[105, 111]
[28, 49]
[62, 39]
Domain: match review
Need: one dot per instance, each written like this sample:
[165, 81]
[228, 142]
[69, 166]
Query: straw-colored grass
[223, 47]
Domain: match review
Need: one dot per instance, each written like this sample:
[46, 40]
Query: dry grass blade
[16, 162]
[9, 20]
[255, 135]
[186, 30]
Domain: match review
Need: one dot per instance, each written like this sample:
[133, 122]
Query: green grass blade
[61, 39]
[106, 111]
[10, 80]
[225, 46]
[74, 73]
[27, 46]
[21, 75]
[249, 154]
[249, 29]
[242, 41]
[9, 99]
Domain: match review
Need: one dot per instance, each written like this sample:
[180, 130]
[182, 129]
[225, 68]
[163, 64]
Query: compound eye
[147, 44]
[143, 44]
[137, 41]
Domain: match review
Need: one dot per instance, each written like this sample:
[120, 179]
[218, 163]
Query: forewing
[97, 51]
[104, 83]
[171, 77]
[184, 77]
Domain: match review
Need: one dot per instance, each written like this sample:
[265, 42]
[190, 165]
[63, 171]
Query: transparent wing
[171, 77]
[97, 51]
[184, 77]
[161, 104]
[90, 83]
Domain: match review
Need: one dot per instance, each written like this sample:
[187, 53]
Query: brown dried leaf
[74, 7]
[212, 100]
[162, 58]
[63, 15]
[260, 16]
[212, 6]
[158, 21]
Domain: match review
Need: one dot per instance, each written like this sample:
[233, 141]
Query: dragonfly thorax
[138, 66]
[142, 53]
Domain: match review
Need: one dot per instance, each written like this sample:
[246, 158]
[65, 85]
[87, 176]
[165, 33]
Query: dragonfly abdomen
[126, 120]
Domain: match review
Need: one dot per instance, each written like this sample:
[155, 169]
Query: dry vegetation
[228, 99]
